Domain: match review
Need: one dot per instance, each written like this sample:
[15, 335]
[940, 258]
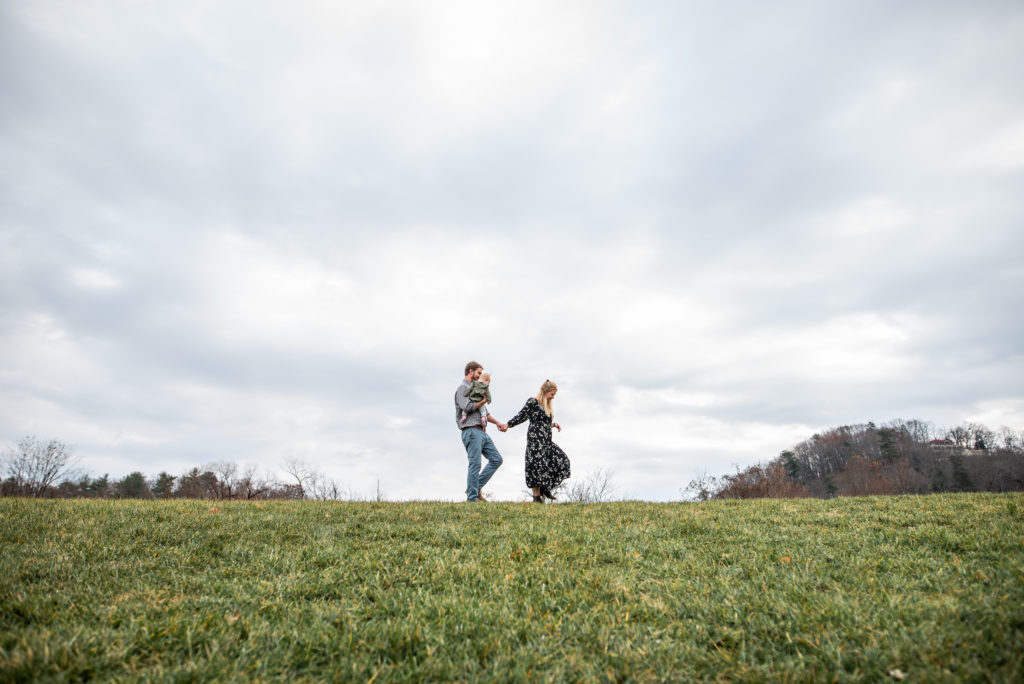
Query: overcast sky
[254, 231]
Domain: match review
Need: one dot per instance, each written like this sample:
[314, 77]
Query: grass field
[924, 588]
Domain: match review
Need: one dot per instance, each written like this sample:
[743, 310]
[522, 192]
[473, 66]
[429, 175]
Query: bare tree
[300, 471]
[323, 488]
[703, 488]
[597, 486]
[251, 486]
[959, 436]
[981, 437]
[313, 484]
[35, 466]
[225, 484]
[918, 430]
[1007, 437]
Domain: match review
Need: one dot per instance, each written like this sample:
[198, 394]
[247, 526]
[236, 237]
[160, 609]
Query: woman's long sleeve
[522, 416]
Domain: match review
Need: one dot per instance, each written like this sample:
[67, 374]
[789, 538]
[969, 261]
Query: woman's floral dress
[546, 463]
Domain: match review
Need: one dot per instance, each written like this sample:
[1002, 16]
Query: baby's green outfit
[476, 391]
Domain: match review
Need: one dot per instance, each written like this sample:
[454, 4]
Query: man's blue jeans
[478, 443]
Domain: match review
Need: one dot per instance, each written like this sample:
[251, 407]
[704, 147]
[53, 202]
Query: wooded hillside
[901, 457]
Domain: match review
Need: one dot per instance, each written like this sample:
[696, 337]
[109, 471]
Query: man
[474, 435]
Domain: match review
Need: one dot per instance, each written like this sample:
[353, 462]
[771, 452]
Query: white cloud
[482, 60]
[998, 412]
[1002, 151]
[94, 279]
[869, 215]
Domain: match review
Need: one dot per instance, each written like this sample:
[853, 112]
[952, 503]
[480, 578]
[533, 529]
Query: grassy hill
[926, 588]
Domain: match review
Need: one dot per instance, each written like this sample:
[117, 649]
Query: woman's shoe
[538, 499]
[544, 491]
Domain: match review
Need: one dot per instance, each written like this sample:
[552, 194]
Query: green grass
[791, 590]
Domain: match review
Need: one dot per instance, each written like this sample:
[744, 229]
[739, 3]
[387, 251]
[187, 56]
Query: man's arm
[501, 426]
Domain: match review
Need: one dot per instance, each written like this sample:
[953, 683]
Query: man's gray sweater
[463, 403]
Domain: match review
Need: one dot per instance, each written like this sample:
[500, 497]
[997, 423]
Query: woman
[546, 464]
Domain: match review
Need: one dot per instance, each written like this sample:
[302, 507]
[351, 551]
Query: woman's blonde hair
[542, 396]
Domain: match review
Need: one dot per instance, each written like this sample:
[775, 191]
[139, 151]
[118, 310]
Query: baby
[477, 390]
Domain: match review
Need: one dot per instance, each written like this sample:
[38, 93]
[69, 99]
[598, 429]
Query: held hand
[502, 427]
[557, 426]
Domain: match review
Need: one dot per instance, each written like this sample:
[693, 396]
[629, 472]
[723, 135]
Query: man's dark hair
[472, 366]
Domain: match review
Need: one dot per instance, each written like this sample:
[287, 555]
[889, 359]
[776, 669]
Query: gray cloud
[273, 233]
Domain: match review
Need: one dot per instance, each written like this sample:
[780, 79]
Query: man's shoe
[480, 497]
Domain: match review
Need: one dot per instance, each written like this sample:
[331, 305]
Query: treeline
[900, 457]
[47, 470]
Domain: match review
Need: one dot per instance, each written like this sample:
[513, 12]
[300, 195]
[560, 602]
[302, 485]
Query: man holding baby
[472, 417]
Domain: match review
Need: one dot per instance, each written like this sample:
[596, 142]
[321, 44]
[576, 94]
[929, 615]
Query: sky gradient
[261, 231]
